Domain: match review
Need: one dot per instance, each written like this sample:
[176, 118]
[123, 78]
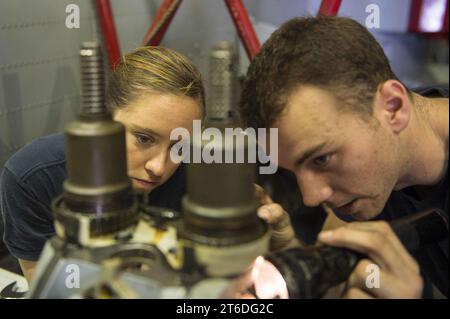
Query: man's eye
[322, 161]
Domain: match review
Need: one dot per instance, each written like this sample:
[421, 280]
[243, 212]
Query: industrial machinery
[111, 244]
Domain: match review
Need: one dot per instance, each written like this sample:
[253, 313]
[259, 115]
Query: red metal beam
[244, 27]
[445, 29]
[109, 32]
[329, 7]
[416, 8]
[164, 16]
[419, 12]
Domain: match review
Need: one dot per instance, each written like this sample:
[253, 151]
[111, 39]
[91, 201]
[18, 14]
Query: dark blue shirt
[33, 177]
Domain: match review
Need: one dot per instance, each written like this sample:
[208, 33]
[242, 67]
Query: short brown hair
[153, 70]
[334, 53]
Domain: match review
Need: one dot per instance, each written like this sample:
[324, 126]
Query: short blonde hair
[153, 70]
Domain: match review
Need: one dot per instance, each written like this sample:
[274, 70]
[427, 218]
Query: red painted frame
[329, 7]
[159, 27]
[109, 32]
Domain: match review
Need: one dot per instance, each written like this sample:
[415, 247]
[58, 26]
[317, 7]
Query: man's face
[148, 121]
[339, 159]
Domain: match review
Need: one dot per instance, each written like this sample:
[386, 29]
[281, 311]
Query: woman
[152, 91]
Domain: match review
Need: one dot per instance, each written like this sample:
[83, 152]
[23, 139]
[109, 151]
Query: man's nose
[157, 164]
[314, 189]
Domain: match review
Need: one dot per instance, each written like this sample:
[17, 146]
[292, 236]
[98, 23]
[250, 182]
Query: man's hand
[277, 218]
[399, 272]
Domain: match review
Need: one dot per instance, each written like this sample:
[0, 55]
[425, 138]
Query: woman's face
[148, 121]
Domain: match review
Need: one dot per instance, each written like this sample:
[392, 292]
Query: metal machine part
[132, 268]
[221, 99]
[309, 273]
[97, 199]
[11, 291]
[220, 207]
[148, 265]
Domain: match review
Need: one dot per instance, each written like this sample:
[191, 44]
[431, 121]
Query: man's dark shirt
[33, 177]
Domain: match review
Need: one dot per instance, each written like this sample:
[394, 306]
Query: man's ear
[392, 105]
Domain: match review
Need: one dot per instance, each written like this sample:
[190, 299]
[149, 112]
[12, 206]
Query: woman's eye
[143, 139]
[322, 161]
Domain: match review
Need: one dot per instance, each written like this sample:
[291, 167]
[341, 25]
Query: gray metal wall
[39, 81]
[39, 67]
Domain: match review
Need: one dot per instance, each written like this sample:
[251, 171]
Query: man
[359, 142]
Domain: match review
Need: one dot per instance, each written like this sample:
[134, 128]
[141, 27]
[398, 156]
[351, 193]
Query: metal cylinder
[97, 188]
[92, 80]
[96, 167]
[221, 97]
[220, 206]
